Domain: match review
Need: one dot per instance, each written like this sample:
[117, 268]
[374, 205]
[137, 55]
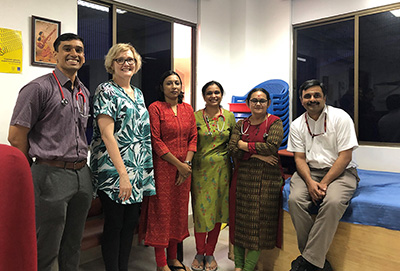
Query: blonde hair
[116, 50]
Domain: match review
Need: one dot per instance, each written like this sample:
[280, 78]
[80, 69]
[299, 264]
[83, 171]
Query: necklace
[207, 121]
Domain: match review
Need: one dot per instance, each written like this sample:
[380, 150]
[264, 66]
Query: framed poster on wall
[44, 33]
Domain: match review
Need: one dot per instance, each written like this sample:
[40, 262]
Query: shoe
[208, 260]
[176, 267]
[301, 264]
[327, 266]
[296, 263]
[200, 260]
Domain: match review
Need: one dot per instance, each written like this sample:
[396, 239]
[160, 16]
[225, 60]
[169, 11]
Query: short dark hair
[311, 83]
[65, 37]
[203, 90]
[255, 90]
[160, 85]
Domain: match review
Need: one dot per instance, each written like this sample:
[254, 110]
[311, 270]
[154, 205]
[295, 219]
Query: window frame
[113, 10]
[330, 20]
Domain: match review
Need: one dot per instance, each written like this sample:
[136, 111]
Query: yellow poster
[10, 51]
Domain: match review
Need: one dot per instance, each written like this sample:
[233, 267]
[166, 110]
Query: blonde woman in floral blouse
[121, 157]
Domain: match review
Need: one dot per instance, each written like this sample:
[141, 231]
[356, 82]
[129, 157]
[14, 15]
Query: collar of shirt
[322, 115]
[317, 126]
[65, 81]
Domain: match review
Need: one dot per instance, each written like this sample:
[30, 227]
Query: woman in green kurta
[211, 175]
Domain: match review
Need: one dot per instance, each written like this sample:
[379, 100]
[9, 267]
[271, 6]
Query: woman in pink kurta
[164, 221]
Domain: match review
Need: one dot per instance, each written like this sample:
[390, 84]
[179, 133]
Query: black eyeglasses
[261, 101]
[129, 61]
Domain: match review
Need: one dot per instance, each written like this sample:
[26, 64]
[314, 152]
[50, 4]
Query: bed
[368, 236]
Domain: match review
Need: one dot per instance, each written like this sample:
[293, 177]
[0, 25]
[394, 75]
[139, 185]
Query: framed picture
[44, 33]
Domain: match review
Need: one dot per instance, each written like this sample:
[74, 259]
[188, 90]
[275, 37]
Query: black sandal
[175, 268]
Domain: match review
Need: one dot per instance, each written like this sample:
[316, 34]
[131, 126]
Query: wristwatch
[189, 163]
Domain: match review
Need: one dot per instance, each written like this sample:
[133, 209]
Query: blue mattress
[376, 201]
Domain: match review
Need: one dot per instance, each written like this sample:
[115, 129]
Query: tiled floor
[142, 258]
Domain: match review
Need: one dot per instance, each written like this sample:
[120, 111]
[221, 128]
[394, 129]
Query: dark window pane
[152, 39]
[326, 53]
[379, 81]
[94, 26]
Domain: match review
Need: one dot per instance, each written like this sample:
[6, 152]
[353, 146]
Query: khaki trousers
[314, 237]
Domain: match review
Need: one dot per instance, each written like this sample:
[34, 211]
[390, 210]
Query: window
[182, 57]
[379, 81]
[163, 42]
[152, 39]
[358, 58]
[94, 26]
[326, 53]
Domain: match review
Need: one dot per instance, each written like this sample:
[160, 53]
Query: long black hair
[160, 85]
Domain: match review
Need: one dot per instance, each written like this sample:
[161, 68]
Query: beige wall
[240, 43]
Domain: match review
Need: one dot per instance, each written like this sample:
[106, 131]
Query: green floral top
[212, 170]
[132, 133]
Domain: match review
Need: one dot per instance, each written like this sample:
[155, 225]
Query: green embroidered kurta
[211, 171]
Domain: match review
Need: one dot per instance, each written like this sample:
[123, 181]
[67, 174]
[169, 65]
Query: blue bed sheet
[376, 201]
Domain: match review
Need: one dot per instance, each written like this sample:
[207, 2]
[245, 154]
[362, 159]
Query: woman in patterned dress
[254, 143]
[121, 158]
[164, 220]
[211, 175]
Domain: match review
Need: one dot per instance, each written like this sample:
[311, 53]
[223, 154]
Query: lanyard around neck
[309, 130]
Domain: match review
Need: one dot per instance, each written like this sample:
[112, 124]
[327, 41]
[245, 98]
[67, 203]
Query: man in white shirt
[322, 140]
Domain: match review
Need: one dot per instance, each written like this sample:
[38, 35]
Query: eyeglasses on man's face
[129, 61]
[261, 101]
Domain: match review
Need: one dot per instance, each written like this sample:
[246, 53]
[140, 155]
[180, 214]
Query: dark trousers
[120, 222]
[62, 201]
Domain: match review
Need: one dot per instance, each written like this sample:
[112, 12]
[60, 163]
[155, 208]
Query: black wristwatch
[189, 163]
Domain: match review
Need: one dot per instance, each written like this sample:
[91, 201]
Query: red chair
[17, 212]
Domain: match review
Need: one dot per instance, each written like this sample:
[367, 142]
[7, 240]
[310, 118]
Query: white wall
[17, 15]
[309, 10]
[181, 9]
[242, 43]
